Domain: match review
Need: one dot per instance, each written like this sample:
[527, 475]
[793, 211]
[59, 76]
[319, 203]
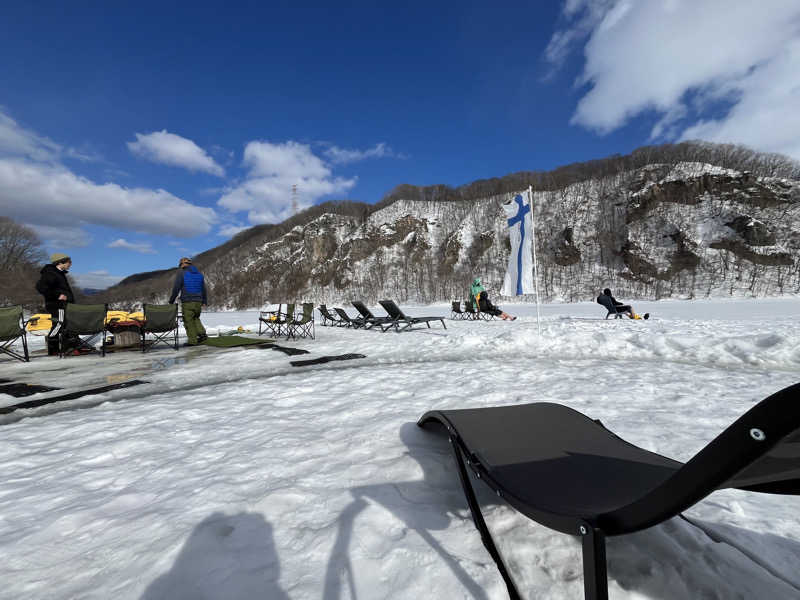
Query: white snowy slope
[234, 475]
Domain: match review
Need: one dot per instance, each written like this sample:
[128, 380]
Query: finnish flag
[519, 276]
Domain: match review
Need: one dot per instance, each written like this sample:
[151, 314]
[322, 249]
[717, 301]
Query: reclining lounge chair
[398, 318]
[327, 317]
[12, 328]
[560, 468]
[367, 317]
[346, 321]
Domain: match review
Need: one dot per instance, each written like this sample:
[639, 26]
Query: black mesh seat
[367, 317]
[12, 328]
[612, 308]
[568, 472]
[455, 311]
[83, 323]
[161, 322]
[400, 322]
[346, 321]
[327, 317]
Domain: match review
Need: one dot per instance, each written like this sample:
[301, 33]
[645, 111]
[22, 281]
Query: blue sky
[133, 134]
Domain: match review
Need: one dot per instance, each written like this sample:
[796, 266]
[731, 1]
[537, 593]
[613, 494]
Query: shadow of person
[422, 505]
[226, 557]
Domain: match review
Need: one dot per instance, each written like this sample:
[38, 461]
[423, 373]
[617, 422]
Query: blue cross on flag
[519, 276]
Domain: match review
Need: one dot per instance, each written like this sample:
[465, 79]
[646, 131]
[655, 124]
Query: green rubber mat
[229, 341]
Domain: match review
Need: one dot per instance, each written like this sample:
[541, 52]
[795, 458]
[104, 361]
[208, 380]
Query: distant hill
[684, 220]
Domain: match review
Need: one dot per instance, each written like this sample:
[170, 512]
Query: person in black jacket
[607, 300]
[55, 288]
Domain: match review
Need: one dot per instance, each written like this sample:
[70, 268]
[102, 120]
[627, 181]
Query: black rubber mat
[324, 359]
[70, 396]
[285, 350]
[20, 390]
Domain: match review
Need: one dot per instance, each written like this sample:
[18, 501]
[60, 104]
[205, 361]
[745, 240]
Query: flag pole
[535, 269]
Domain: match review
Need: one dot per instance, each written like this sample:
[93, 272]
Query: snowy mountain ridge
[687, 229]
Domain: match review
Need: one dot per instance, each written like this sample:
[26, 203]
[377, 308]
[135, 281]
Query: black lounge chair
[612, 308]
[560, 468]
[327, 317]
[303, 326]
[346, 321]
[398, 318]
[12, 328]
[87, 320]
[160, 320]
[367, 317]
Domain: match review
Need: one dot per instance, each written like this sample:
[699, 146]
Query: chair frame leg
[480, 524]
[595, 574]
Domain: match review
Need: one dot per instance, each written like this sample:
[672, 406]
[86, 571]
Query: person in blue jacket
[191, 286]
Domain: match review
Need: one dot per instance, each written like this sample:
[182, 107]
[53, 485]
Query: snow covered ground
[234, 475]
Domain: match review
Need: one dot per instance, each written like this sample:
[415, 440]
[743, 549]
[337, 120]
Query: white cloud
[62, 236]
[170, 149]
[341, 156]
[47, 194]
[266, 193]
[682, 59]
[96, 280]
[36, 189]
[18, 141]
[142, 248]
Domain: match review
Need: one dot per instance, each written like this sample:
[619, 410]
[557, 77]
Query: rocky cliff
[685, 229]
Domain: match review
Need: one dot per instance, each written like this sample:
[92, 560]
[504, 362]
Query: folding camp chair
[12, 328]
[474, 312]
[275, 321]
[612, 308]
[347, 321]
[399, 318]
[161, 321]
[469, 311]
[87, 320]
[456, 313]
[327, 317]
[367, 317]
[566, 471]
[304, 326]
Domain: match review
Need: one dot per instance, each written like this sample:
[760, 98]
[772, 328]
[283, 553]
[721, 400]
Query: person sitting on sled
[610, 301]
[480, 301]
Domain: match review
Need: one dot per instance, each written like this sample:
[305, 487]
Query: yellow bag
[40, 324]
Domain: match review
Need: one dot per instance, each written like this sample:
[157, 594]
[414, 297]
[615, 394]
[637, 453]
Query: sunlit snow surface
[234, 475]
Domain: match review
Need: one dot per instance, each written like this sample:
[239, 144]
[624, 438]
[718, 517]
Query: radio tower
[294, 199]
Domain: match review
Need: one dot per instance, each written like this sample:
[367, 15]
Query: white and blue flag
[519, 276]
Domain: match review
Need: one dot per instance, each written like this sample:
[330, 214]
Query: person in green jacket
[480, 301]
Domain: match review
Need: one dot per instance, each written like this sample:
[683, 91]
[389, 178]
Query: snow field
[235, 475]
